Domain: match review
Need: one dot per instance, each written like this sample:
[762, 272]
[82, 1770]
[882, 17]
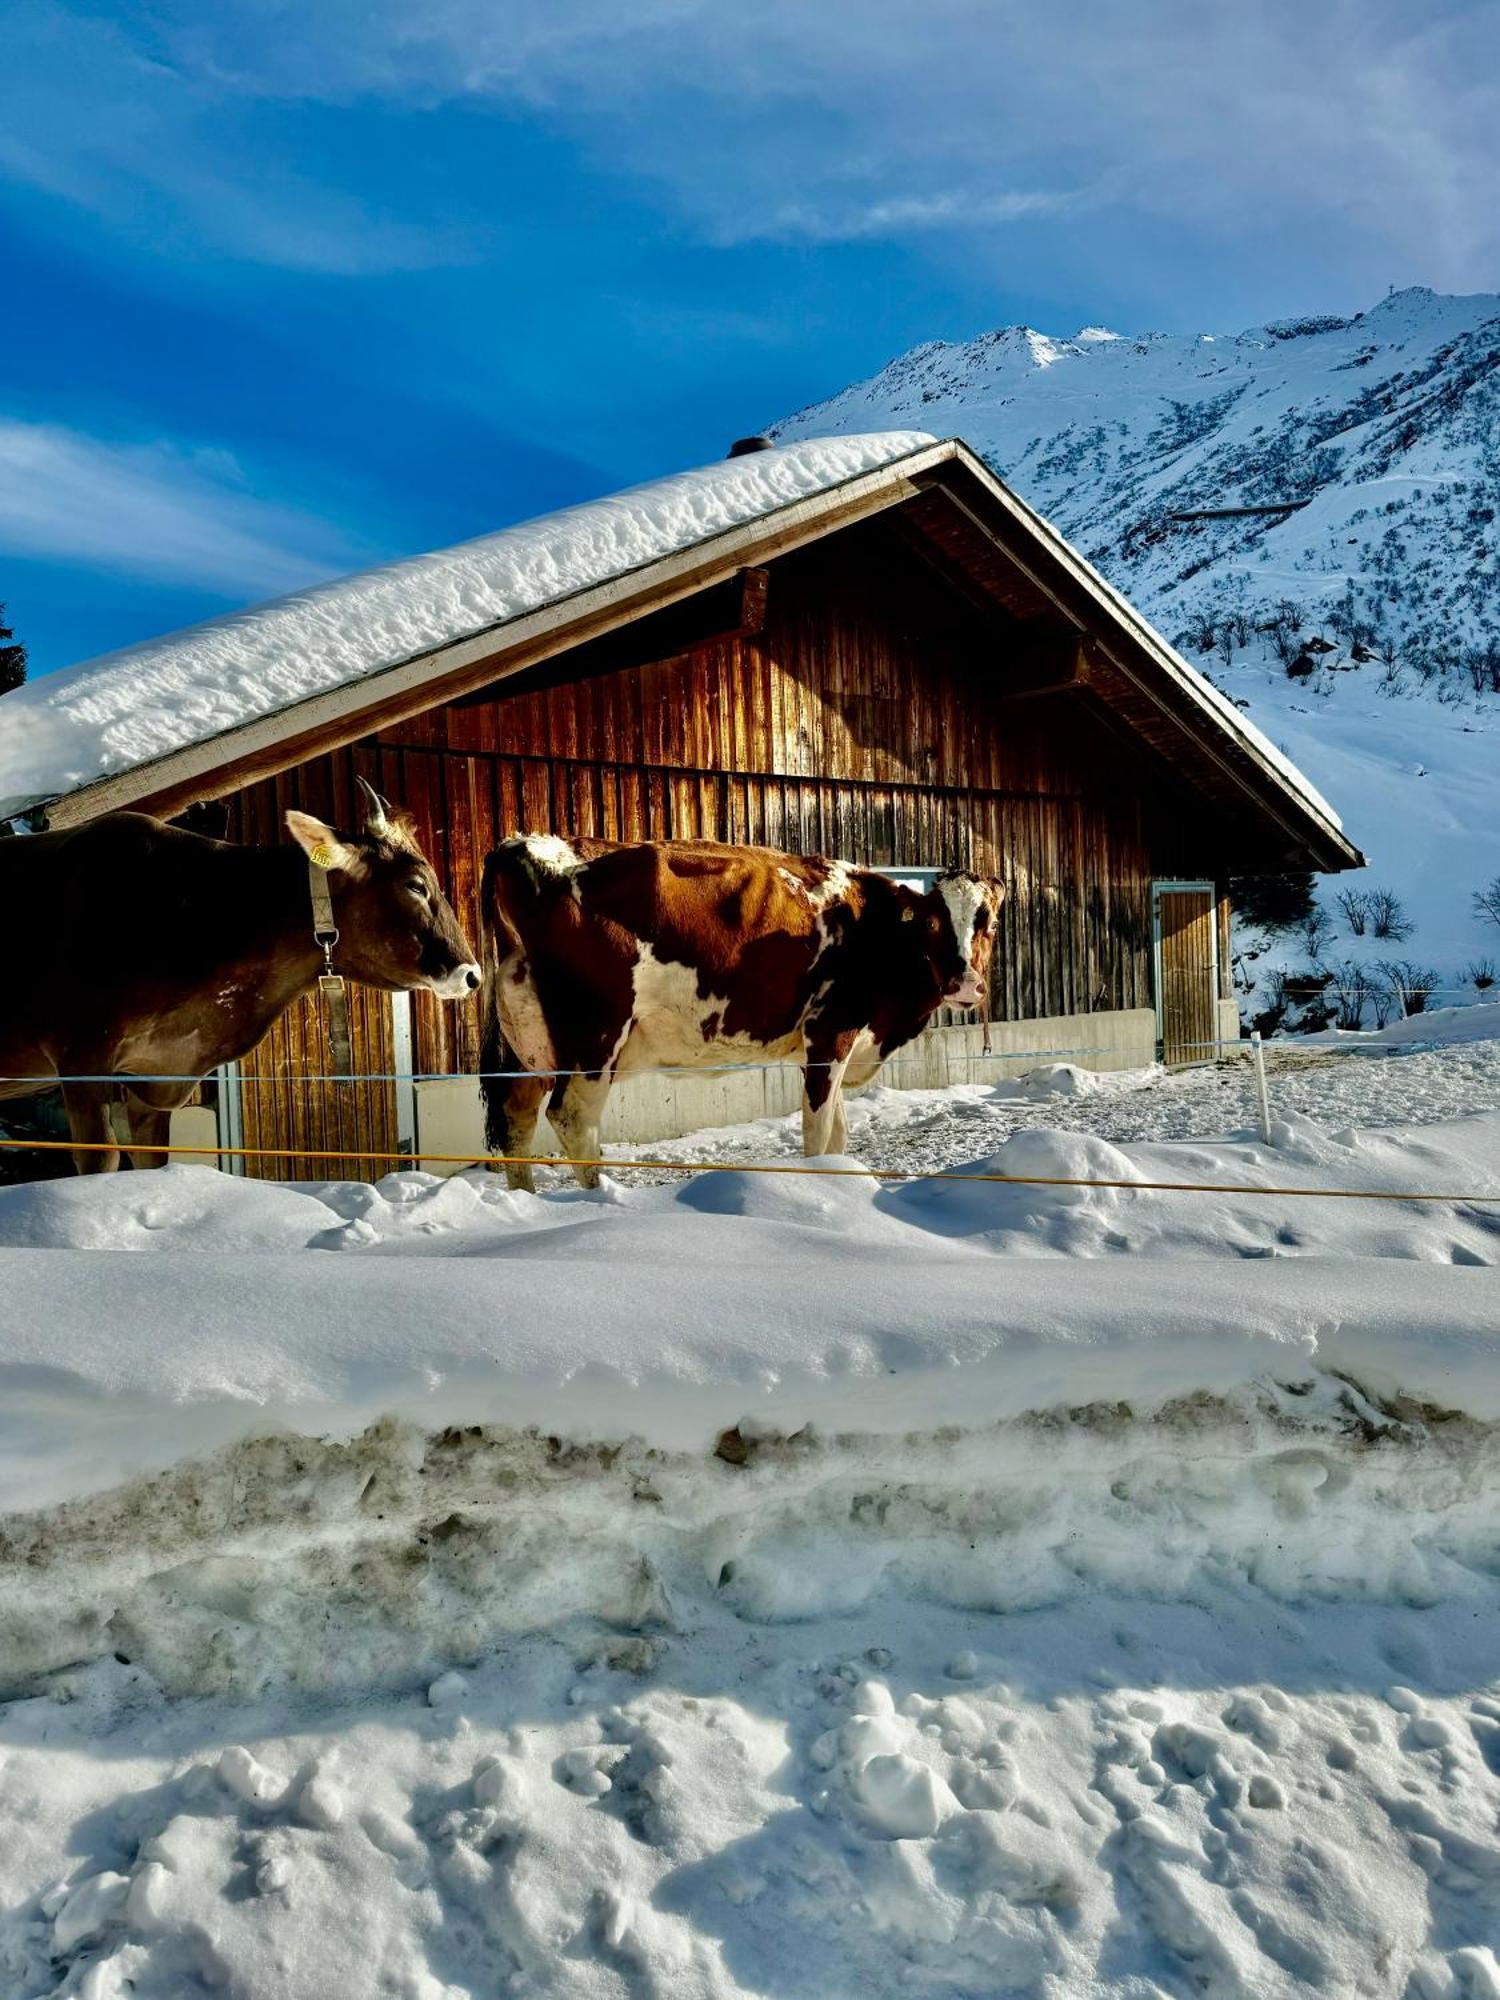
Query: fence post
[1257, 1056]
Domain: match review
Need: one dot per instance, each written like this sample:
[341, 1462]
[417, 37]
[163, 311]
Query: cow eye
[417, 887]
[981, 920]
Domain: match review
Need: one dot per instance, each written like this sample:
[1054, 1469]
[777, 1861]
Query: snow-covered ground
[1415, 1072]
[772, 1586]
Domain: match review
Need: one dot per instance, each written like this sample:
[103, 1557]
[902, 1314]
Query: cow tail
[494, 1054]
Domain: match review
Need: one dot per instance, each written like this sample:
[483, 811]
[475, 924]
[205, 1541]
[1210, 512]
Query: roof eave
[1325, 840]
[339, 715]
[270, 743]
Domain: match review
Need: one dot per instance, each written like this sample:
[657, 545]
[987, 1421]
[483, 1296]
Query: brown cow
[140, 948]
[602, 959]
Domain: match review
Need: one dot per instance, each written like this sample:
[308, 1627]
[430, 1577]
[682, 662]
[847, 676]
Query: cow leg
[88, 1108]
[149, 1131]
[825, 1128]
[149, 1116]
[513, 1105]
[838, 1137]
[576, 1118]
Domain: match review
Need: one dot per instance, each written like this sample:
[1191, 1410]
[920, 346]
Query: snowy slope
[1417, 783]
[1386, 424]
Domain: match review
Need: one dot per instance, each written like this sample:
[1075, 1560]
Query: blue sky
[294, 288]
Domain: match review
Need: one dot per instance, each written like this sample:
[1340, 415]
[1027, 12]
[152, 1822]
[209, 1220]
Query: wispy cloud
[155, 511]
[899, 215]
[1371, 121]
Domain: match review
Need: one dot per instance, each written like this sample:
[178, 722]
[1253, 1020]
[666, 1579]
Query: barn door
[1186, 939]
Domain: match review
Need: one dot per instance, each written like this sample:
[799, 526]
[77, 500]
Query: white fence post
[1257, 1056]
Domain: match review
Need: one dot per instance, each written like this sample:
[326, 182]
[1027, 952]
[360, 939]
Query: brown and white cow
[603, 959]
[141, 950]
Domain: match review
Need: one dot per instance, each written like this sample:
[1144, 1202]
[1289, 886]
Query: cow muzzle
[455, 985]
[965, 992]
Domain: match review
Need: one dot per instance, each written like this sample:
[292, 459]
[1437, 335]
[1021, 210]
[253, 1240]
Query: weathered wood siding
[867, 720]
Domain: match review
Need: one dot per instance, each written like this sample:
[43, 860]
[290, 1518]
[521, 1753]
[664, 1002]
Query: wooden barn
[864, 647]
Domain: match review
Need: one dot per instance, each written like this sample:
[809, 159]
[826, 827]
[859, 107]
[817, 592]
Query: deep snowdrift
[808, 1588]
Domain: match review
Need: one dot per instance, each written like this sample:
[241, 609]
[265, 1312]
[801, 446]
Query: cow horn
[375, 809]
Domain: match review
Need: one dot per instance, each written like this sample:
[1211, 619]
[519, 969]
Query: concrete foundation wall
[646, 1109]
[1229, 1029]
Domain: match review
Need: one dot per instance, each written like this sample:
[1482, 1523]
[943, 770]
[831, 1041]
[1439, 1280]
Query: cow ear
[323, 847]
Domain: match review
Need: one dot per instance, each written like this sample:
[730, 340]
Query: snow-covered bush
[1309, 1010]
[1355, 904]
[1410, 984]
[1315, 930]
[1387, 916]
[1349, 990]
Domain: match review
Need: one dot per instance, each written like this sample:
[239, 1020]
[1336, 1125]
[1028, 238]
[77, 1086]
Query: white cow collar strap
[330, 985]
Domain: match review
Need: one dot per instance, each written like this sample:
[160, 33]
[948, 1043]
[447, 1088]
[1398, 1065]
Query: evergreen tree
[12, 657]
[1276, 902]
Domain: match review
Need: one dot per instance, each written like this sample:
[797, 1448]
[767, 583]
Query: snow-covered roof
[127, 708]
[168, 718]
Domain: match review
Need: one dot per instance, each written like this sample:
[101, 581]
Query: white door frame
[402, 1043]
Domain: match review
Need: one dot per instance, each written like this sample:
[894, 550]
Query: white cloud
[1368, 119]
[901, 215]
[152, 510]
[1363, 129]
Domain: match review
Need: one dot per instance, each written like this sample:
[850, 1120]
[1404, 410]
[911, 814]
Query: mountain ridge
[1375, 435]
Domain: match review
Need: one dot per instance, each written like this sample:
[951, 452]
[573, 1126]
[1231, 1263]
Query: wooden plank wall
[863, 722]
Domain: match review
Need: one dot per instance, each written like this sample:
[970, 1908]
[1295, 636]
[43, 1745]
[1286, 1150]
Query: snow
[1110, 437]
[1439, 1027]
[127, 708]
[747, 1585]
[1386, 422]
[1416, 781]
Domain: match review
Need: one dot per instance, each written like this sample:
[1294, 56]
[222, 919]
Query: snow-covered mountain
[1358, 623]
[1378, 438]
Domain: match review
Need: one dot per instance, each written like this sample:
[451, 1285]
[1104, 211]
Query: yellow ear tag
[321, 857]
[907, 915]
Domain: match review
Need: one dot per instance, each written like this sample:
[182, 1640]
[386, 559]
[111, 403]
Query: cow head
[958, 917]
[397, 929]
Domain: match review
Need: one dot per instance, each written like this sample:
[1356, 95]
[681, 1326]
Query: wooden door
[286, 1104]
[1187, 971]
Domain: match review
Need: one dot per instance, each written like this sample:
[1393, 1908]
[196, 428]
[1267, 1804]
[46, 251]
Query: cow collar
[325, 930]
[330, 984]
